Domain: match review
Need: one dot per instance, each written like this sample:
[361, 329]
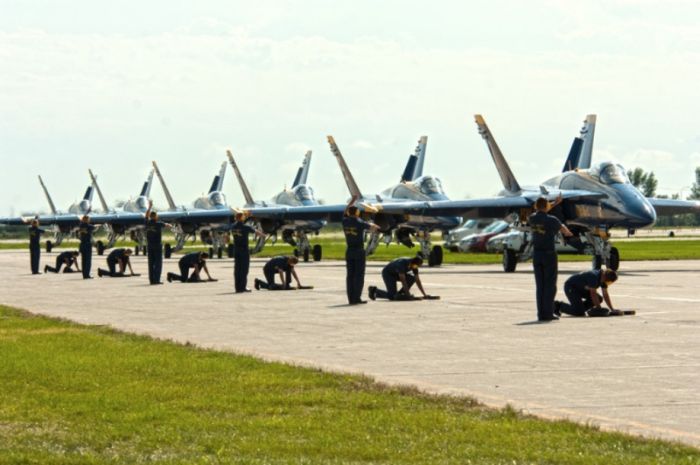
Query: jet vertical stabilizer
[574, 155]
[166, 191]
[48, 196]
[146, 189]
[587, 134]
[218, 181]
[88, 194]
[507, 176]
[420, 157]
[349, 179]
[105, 208]
[244, 187]
[303, 172]
[407, 174]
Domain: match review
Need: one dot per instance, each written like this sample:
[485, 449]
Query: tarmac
[636, 374]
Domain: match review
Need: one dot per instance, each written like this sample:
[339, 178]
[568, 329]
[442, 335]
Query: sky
[113, 85]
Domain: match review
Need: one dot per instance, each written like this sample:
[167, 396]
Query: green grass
[75, 394]
[334, 248]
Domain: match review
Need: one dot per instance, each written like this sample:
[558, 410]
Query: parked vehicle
[477, 242]
[468, 228]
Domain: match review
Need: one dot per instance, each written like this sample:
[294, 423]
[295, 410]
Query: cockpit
[217, 198]
[609, 173]
[303, 193]
[429, 185]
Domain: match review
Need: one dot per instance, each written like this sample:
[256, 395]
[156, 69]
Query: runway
[638, 374]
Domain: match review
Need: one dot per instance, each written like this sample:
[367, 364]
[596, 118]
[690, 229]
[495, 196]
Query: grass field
[334, 248]
[85, 394]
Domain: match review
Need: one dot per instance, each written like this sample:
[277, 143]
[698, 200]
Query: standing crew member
[117, 257]
[545, 227]
[241, 253]
[85, 235]
[68, 258]
[154, 245]
[282, 265]
[355, 260]
[35, 233]
[195, 260]
[403, 270]
[581, 290]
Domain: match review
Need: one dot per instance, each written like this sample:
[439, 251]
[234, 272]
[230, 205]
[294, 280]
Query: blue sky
[113, 85]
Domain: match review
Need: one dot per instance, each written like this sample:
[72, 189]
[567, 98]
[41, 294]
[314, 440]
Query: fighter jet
[294, 232]
[607, 200]
[117, 224]
[187, 222]
[413, 186]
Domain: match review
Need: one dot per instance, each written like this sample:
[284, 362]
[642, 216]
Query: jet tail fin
[407, 174]
[218, 181]
[48, 196]
[574, 155]
[166, 191]
[93, 178]
[504, 171]
[587, 134]
[146, 189]
[244, 187]
[349, 179]
[88, 193]
[420, 157]
[303, 172]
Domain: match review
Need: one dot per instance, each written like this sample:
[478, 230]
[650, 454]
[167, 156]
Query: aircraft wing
[492, 207]
[44, 220]
[665, 207]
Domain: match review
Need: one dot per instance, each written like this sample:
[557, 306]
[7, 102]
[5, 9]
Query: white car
[469, 227]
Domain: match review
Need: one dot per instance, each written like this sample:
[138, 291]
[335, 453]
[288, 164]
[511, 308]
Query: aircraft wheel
[168, 251]
[510, 260]
[597, 262]
[437, 251]
[306, 255]
[317, 253]
[49, 246]
[230, 250]
[296, 253]
[100, 248]
[431, 258]
[211, 252]
[136, 250]
[219, 252]
[614, 261]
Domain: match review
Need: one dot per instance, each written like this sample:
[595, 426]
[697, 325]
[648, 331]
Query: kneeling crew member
[581, 290]
[68, 258]
[282, 265]
[117, 257]
[195, 260]
[355, 259]
[403, 270]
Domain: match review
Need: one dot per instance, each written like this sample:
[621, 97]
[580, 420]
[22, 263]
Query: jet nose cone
[640, 212]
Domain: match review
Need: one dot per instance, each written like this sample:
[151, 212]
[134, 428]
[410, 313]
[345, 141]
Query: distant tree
[695, 188]
[646, 182]
[649, 185]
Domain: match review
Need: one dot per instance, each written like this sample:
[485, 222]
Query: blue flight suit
[154, 248]
[544, 262]
[577, 292]
[190, 260]
[271, 269]
[64, 258]
[355, 259]
[241, 255]
[35, 233]
[115, 257]
[85, 231]
[390, 275]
